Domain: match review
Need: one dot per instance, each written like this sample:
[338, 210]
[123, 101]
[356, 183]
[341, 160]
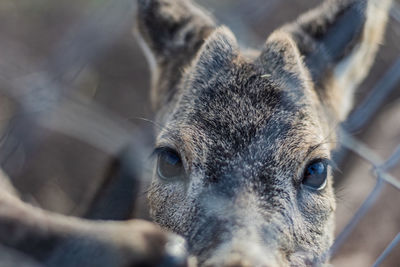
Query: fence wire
[380, 168]
[110, 127]
[359, 118]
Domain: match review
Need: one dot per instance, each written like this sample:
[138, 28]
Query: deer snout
[245, 248]
[248, 254]
[238, 233]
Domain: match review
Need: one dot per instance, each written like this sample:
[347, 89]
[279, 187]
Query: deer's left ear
[173, 32]
[338, 42]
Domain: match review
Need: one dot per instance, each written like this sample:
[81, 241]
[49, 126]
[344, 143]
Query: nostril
[243, 259]
[175, 252]
[237, 260]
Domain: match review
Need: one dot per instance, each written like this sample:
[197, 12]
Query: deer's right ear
[338, 42]
[173, 32]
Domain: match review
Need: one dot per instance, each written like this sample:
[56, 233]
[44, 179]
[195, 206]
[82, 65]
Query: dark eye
[169, 165]
[315, 174]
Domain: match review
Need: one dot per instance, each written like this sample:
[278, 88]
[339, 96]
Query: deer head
[243, 167]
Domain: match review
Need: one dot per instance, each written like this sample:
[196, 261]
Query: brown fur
[245, 126]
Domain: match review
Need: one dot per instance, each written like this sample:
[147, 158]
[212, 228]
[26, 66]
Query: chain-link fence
[59, 97]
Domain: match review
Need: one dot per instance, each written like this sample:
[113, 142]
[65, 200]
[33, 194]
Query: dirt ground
[89, 44]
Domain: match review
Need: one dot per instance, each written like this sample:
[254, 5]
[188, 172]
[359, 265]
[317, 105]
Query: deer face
[243, 157]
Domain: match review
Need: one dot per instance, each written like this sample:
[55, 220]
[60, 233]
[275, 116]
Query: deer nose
[237, 260]
[240, 260]
[248, 254]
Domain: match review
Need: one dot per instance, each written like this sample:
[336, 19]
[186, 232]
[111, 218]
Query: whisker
[158, 125]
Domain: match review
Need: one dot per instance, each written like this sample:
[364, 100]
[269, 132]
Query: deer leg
[56, 240]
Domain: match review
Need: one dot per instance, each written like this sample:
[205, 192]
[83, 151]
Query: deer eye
[169, 165]
[315, 174]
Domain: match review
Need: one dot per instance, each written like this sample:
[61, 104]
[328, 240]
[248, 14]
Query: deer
[243, 165]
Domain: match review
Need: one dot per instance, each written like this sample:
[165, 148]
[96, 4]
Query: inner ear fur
[171, 33]
[338, 42]
[281, 60]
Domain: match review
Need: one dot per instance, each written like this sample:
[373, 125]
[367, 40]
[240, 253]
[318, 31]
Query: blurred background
[74, 91]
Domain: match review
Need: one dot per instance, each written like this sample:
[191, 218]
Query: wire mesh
[362, 114]
[90, 38]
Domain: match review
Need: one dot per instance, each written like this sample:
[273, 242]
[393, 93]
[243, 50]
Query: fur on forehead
[218, 51]
[281, 60]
